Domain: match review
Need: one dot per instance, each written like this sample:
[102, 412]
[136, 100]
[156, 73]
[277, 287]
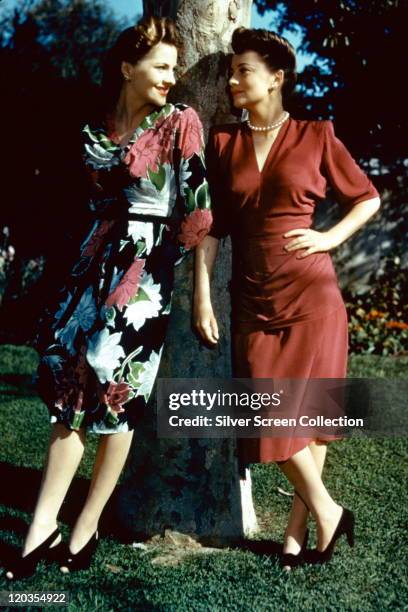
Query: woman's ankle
[293, 541]
[295, 531]
[328, 514]
[43, 523]
[81, 534]
[37, 533]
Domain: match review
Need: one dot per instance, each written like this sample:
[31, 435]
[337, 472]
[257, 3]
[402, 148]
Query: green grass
[366, 475]
[19, 360]
[376, 366]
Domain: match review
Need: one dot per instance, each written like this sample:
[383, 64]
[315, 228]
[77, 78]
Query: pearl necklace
[273, 126]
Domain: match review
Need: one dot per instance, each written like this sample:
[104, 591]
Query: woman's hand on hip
[205, 321]
[309, 241]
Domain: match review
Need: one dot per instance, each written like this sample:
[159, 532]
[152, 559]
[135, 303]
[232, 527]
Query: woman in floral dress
[101, 341]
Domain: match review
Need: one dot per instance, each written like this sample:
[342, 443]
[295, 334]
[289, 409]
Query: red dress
[288, 315]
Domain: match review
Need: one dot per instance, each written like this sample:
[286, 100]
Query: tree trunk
[193, 485]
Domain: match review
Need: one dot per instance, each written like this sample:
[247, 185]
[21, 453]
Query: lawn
[367, 475]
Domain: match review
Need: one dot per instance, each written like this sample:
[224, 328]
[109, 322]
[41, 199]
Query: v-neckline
[149, 121]
[283, 129]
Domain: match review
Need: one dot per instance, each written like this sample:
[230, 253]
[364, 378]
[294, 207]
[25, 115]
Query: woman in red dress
[267, 173]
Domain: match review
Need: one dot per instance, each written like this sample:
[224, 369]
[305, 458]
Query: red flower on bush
[396, 325]
[127, 286]
[375, 314]
[195, 227]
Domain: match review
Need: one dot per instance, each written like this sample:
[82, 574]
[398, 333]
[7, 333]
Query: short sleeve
[350, 184]
[220, 227]
[192, 179]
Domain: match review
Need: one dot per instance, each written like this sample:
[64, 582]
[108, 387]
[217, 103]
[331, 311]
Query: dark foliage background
[359, 78]
[51, 53]
[50, 60]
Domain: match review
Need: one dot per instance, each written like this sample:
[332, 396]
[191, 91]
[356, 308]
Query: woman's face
[151, 78]
[250, 80]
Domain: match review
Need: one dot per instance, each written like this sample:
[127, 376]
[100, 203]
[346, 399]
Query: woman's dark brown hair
[276, 51]
[131, 46]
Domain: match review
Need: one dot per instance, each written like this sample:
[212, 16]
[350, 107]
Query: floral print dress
[100, 343]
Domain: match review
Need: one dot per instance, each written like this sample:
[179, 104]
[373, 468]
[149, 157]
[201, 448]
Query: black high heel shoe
[24, 567]
[292, 560]
[82, 559]
[346, 526]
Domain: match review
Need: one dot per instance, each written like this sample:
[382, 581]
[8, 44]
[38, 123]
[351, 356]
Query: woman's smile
[163, 90]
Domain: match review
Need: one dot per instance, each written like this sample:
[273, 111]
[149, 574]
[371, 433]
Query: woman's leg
[303, 473]
[110, 458]
[64, 455]
[318, 449]
[297, 523]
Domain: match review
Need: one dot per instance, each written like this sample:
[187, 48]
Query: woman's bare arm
[203, 314]
[312, 241]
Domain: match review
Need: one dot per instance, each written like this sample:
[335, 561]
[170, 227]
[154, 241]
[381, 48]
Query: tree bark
[160, 8]
[193, 485]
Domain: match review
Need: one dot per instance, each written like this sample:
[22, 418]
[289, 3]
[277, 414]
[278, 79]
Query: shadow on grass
[16, 385]
[269, 548]
[19, 491]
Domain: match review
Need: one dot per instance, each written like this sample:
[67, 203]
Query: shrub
[378, 318]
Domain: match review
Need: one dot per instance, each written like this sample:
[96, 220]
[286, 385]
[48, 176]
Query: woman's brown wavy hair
[275, 50]
[131, 46]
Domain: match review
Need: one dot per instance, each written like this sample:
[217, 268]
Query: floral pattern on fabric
[101, 341]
